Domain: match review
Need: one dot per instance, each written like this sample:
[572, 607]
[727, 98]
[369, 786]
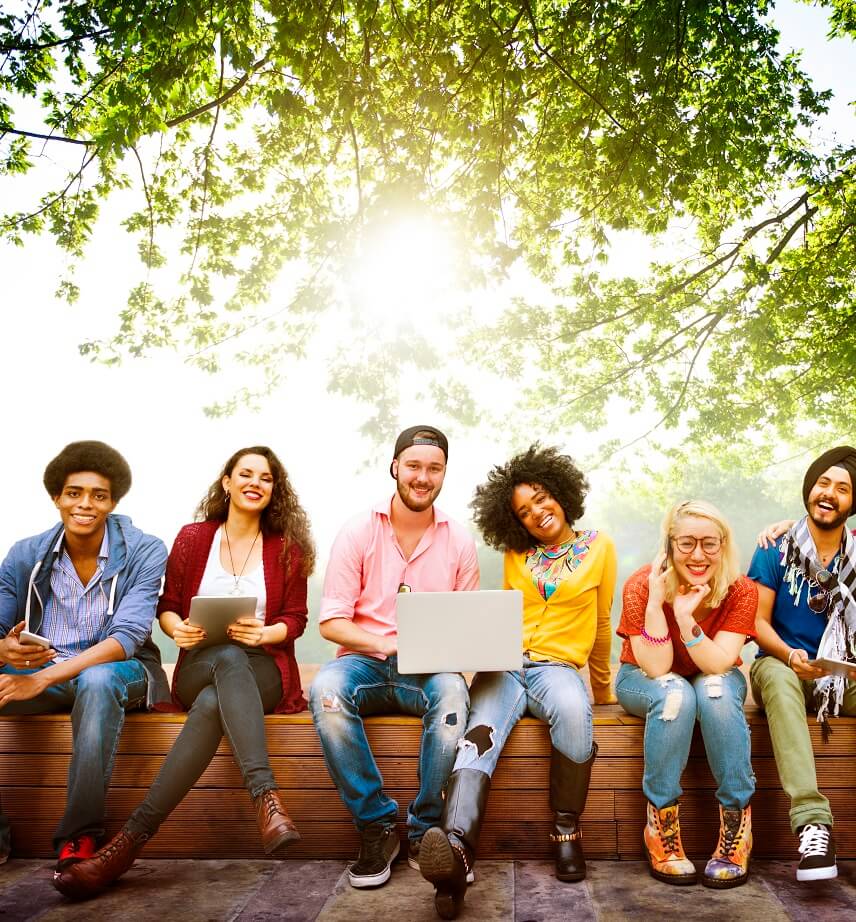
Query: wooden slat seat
[216, 819]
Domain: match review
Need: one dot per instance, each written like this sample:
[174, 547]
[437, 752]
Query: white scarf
[801, 563]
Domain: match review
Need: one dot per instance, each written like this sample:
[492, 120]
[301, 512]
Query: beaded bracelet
[656, 641]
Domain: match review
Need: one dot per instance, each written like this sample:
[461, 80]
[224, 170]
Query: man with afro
[76, 609]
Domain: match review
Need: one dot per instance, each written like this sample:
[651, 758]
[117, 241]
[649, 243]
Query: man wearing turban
[807, 610]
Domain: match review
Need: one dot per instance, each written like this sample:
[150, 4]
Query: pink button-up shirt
[367, 567]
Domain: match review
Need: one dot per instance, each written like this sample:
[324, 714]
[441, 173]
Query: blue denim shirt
[134, 569]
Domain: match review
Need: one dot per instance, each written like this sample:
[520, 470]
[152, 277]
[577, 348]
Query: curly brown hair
[548, 468]
[283, 515]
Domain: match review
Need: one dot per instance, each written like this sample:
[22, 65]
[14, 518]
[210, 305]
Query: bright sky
[151, 409]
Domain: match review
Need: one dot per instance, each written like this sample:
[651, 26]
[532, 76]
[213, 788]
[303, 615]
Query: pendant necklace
[237, 576]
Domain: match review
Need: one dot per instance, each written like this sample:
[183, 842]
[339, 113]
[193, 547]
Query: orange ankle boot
[666, 858]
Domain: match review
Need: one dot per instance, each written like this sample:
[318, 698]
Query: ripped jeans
[552, 692]
[671, 704]
[354, 685]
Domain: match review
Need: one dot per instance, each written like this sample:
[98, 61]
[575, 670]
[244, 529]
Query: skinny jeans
[671, 705]
[786, 699]
[228, 689]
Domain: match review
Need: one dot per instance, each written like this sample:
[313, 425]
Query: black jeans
[229, 689]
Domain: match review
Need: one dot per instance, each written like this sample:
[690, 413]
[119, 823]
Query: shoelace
[670, 833]
[814, 841]
[270, 805]
[732, 820]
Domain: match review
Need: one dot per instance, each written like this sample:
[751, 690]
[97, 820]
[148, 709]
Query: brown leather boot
[275, 825]
[92, 875]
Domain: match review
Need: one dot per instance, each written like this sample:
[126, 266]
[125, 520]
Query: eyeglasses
[822, 581]
[686, 544]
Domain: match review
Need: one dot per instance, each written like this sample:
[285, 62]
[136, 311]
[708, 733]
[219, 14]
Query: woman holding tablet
[253, 540]
[527, 508]
[684, 621]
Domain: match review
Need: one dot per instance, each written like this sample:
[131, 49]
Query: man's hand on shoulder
[23, 655]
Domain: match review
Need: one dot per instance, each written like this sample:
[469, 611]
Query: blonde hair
[729, 557]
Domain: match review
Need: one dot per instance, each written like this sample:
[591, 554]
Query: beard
[413, 503]
[830, 524]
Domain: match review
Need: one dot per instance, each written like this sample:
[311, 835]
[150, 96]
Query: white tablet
[214, 613]
[833, 666]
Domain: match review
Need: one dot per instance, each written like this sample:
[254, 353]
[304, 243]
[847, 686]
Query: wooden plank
[151, 734]
[182, 840]
[526, 774]
[21, 803]
[216, 818]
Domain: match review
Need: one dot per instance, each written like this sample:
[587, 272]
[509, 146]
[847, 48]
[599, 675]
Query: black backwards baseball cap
[419, 435]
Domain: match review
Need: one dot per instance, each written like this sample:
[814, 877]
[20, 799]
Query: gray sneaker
[378, 849]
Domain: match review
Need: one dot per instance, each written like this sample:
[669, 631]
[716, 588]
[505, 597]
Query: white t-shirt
[218, 581]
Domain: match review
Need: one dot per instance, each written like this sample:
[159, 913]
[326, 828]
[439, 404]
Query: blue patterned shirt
[75, 615]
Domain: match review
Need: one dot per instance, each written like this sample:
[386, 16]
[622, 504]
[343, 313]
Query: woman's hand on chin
[688, 599]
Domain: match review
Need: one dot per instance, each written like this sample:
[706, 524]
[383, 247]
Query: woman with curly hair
[527, 508]
[252, 539]
[684, 621]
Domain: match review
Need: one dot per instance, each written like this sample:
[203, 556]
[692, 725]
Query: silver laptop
[460, 631]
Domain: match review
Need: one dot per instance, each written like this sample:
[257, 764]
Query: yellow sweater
[573, 625]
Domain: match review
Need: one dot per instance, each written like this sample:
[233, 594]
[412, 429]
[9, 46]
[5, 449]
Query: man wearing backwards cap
[807, 609]
[404, 543]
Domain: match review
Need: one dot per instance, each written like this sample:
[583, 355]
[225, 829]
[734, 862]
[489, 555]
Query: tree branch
[51, 202]
[777, 249]
[216, 103]
[44, 137]
[676, 405]
[26, 46]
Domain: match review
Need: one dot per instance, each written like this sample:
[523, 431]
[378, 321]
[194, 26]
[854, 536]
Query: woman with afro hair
[527, 508]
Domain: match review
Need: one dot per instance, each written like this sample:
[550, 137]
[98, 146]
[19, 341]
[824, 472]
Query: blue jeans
[552, 692]
[98, 699]
[671, 704]
[355, 685]
[228, 689]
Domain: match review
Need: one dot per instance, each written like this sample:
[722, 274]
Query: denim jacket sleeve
[9, 606]
[137, 595]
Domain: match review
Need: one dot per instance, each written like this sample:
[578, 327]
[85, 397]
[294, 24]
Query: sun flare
[405, 270]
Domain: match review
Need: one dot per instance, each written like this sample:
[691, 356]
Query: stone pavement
[522, 891]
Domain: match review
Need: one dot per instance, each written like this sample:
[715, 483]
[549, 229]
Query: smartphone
[667, 550]
[30, 637]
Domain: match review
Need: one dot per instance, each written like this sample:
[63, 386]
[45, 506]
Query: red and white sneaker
[73, 850]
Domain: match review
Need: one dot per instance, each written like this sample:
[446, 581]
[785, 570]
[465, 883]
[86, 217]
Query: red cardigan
[286, 598]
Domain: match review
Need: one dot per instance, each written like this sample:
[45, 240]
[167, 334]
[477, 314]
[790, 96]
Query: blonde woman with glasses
[684, 621]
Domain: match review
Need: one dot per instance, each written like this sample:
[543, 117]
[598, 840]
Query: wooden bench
[216, 819]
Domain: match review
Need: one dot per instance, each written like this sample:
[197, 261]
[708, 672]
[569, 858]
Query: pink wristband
[656, 641]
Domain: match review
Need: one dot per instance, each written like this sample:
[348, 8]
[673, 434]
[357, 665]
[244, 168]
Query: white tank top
[216, 580]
